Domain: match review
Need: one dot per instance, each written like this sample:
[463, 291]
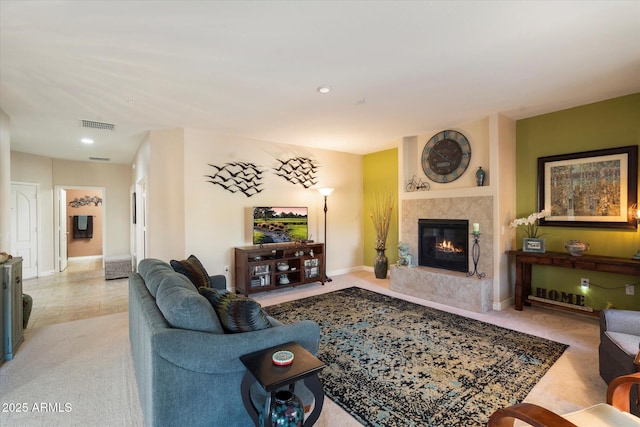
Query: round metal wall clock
[446, 156]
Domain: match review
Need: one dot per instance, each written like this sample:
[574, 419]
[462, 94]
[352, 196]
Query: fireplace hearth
[444, 243]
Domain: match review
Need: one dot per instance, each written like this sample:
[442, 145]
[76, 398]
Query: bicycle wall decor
[417, 185]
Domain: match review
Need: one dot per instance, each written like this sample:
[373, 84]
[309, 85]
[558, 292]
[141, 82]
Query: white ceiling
[252, 68]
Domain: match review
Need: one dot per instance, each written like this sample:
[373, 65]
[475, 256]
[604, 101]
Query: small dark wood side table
[272, 377]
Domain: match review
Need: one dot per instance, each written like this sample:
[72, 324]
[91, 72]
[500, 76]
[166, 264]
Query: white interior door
[24, 227]
[62, 229]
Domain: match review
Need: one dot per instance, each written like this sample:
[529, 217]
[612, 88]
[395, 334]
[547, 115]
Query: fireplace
[444, 243]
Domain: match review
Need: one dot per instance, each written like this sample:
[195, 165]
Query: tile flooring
[79, 292]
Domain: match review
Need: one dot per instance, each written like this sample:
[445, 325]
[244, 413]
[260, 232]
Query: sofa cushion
[193, 269]
[628, 343]
[185, 308]
[153, 271]
[236, 313]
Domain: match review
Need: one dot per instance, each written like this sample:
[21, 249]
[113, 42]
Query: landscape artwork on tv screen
[279, 224]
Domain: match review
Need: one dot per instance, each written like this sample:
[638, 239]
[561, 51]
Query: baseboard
[46, 273]
[84, 258]
[503, 305]
[344, 271]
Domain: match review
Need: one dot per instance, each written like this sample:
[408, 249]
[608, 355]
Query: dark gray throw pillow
[236, 313]
[194, 270]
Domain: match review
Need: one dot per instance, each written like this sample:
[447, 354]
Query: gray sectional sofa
[187, 368]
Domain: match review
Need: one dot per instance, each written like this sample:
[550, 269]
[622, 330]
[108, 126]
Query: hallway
[79, 292]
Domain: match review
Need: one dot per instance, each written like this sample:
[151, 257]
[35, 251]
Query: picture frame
[589, 189]
[534, 245]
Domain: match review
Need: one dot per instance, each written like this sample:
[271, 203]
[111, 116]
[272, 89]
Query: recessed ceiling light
[324, 89]
[87, 140]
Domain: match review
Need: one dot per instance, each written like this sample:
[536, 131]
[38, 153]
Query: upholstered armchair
[615, 413]
[619, 350]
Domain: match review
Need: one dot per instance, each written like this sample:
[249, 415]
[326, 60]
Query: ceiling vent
[91, 124]
[101, 159]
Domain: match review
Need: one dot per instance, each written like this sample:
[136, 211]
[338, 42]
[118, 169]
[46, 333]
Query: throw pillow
[236, 313]
[193, 269]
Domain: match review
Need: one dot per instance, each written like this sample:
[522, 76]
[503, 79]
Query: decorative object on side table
[576, 247]
[480, 175]
[282, 358]
[286, 410]
[4, 257]
[281, 409]
[529, 225]
[381, 217]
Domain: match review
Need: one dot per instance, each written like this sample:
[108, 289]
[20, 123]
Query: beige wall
[5, 183]
[188, 215]
[503, 154]
[159, 165]
[52, 173]
[116, 181]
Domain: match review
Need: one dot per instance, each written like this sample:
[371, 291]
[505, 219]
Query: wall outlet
[584, 282]
[226, 268]
[630, 290]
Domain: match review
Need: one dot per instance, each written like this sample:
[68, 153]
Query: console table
[524, 261]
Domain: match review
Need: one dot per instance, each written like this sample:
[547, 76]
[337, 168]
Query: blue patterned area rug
[391, 362]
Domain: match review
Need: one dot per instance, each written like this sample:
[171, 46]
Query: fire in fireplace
[444, 243]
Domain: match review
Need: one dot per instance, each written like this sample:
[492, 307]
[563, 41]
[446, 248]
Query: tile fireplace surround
[444, 286]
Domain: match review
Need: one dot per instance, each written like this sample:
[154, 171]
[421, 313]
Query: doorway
[81, 224]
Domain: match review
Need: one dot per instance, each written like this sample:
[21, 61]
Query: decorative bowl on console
[576, 247]
[282, 266]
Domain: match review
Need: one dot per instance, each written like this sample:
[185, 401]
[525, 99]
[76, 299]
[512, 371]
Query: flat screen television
[279, 224]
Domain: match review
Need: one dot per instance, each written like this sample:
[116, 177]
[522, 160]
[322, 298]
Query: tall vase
[381, 264]
[480, 174]
[286, 410]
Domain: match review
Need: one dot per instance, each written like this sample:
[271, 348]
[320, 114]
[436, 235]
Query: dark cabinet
[12, 334]
[269, 267]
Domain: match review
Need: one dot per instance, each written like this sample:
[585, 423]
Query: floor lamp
[325, 192]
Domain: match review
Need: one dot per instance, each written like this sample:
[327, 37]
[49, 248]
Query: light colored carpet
[77, 373]
[87, 363]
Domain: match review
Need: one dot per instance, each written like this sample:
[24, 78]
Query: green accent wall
[380, 174]
[606, 124]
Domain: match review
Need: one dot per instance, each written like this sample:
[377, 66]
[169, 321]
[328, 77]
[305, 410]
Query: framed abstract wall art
[589, 189]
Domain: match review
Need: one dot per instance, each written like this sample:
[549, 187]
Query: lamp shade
[325, 191]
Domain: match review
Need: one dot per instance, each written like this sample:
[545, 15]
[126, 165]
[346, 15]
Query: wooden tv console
[257, 270]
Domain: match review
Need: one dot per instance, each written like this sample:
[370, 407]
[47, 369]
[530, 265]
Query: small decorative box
[282, 358]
